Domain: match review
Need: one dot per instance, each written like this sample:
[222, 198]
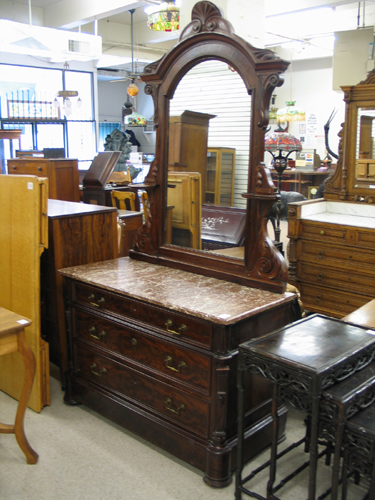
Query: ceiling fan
[133, 75]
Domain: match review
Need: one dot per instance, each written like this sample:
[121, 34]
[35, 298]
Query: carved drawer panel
[182, 364]
[172, 324]
[334, 233]
[179, 406]
[326, 276]
[346, 258]
[326, 300]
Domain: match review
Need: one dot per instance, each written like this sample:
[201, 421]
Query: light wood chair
[145, 203]
[119, 199]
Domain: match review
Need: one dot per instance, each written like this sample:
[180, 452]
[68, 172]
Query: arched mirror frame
[209, 36]
[343, 184]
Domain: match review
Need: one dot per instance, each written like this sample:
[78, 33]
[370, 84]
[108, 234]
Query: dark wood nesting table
[301, 360]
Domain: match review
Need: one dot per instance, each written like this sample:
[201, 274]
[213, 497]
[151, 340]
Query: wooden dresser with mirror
[154, 336]
[332, 251]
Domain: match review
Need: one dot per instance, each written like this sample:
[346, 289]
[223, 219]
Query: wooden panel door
[23, 237]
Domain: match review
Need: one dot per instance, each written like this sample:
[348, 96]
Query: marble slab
[208, 298]
[343, 213]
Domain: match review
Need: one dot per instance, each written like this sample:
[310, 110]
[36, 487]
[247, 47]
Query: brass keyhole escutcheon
[319, 298]
[321, 254]
[134, 341]
[320, 276]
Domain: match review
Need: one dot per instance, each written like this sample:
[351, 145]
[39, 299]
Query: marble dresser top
[339, 212]
[208, 298]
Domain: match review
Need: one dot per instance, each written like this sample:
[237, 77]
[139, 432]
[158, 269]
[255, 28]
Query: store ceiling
[287, 22]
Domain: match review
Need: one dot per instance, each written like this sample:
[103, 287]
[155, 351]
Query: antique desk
[301, 360]
[155, 350]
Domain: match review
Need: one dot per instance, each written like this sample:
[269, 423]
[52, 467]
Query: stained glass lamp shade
[280, 145]
[165, 18]
[291, 113]
[135, 120]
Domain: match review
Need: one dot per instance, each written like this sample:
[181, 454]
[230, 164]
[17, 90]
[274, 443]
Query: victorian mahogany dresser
[155, 350]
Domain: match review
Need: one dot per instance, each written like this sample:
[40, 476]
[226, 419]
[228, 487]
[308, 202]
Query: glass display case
[220, 176]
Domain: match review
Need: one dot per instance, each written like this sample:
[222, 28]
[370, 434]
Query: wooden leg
[29, 360]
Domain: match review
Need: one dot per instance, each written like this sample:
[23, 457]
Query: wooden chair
[145, 203]
[124, 200]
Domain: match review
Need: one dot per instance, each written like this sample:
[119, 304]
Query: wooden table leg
[18, 340]
[29, 360]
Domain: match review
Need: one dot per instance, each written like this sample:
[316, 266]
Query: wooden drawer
[352, 259]
[173, 325]
[326, 276]
[29, 169]
[330, 301]
[178, 406]
[334, 233]
[182, 364]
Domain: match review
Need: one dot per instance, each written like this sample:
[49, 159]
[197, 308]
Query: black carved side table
[301, 360]
[359, 449]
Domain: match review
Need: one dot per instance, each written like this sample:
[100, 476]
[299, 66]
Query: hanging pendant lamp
[166, 17]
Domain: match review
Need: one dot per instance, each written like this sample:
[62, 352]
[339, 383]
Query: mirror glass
[208, 160]
[365, 148]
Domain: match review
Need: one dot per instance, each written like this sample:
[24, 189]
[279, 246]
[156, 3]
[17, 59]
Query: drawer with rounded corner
[177, 362]
[326, 276]
[178, 406]
[330, 301]
[172, 324]
[348, 258]
[29, 169]
[336, 234]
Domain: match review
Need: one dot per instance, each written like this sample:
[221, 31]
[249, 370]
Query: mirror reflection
[208, 160]
[365, 152]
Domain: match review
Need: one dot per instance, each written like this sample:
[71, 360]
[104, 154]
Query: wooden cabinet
[184, 195]
[62, 174]
[187, 145]
[78, 234]
[24, 237]
[219, 186]
[331, 258]
[155, 350]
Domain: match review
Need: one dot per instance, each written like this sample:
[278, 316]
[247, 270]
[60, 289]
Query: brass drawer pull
[320, 276]
[321, 233]
[168, 325]
[96, 304]
[134, 342]
[319, 297]
[98, 336]
[94, 370]
[181, 365]
[169, 407]
[321, 254]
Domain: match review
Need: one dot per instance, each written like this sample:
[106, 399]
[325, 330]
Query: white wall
[309, 83]
[111, 98]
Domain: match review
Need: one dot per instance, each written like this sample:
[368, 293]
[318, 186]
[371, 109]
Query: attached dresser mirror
[208, 45]
[354, 179]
